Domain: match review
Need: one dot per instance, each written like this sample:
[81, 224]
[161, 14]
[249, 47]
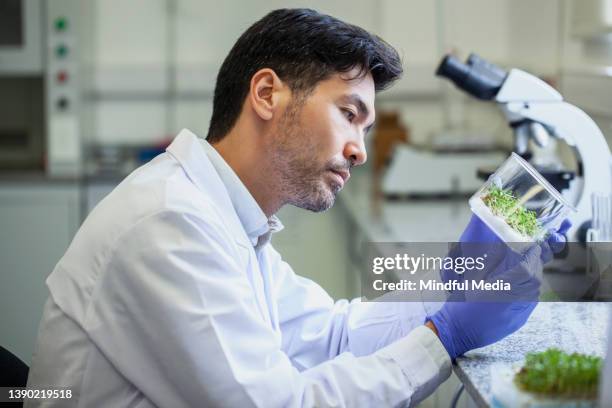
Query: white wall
[534, 36]
[135, 45]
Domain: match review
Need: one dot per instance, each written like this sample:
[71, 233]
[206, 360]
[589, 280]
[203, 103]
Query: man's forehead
[357, 81]
[352, 88]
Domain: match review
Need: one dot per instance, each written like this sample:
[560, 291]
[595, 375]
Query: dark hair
[303, 47]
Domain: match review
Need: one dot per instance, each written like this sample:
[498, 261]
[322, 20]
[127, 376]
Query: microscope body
[537, 112]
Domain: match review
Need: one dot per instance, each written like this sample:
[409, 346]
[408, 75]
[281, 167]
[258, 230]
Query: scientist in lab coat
[171, 295]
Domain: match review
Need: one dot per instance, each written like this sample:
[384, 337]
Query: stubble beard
[301, 180]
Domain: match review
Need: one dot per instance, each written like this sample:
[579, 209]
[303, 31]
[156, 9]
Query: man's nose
[355, 152]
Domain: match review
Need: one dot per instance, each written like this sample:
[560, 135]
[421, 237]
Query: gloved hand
[555, 241]
[465, 325]
[478, 238]
[478, 231]
[498, 314]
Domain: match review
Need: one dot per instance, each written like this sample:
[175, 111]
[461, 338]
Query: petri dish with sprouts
[519, 204]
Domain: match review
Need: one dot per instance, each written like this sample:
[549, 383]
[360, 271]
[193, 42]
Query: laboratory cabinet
[38, 220]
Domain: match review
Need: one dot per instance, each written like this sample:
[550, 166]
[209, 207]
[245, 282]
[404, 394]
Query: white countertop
[572, 327]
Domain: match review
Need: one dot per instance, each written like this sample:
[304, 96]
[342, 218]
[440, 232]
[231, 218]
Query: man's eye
[350, 115]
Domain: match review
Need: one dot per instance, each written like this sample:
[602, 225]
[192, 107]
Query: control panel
[62, 88]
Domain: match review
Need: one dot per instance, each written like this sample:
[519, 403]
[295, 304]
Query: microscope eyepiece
[477, 76]
[450, 67]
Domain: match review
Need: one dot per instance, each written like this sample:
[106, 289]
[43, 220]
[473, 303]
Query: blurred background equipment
[599, 246]
[424, 173]
[39, 106]
[601, 227]
[389, 133]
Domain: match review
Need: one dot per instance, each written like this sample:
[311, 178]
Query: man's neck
[249, 164]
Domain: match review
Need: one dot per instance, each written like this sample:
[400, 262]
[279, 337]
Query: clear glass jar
[518, 203]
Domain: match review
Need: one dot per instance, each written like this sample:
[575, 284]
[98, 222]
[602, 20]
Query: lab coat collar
[199, 159]
[250, 213]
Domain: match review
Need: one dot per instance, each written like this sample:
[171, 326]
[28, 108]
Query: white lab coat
[170, 295]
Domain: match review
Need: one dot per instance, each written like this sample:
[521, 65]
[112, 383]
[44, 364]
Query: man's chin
[323, 202]
[316, 207]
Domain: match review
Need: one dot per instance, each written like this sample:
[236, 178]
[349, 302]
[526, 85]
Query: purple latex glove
[478, 239]
[555, 241]
[500, 314]
[464, 325]
[478, 232]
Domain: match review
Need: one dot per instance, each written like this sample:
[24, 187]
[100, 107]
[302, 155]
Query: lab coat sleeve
[176, 316]
[315, 328]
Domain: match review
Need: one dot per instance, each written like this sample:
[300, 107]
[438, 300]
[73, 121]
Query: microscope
[539, 117]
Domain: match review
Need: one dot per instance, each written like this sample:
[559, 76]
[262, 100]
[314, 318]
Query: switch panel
[64, 150]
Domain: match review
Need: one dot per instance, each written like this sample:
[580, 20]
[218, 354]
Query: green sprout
[503, 204]
[556, 373]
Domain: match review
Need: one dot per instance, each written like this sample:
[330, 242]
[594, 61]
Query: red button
[62, 76]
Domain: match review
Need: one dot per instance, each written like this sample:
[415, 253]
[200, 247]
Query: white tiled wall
[135, 46]
[129, 33]
[131, 54]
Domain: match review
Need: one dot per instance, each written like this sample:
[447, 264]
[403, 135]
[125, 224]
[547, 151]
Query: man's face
[318, 140]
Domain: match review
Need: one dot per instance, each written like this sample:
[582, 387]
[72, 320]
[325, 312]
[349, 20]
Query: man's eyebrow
[361, 107]
[357, 101]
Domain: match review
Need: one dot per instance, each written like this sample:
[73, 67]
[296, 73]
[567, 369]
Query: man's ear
[265, 93]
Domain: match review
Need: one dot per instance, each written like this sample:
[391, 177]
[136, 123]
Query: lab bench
[572, 327]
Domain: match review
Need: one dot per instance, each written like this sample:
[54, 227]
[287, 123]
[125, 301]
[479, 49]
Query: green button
[61, 51]
[61, 23]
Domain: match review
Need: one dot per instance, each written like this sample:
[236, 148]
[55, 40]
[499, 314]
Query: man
[171, 295]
